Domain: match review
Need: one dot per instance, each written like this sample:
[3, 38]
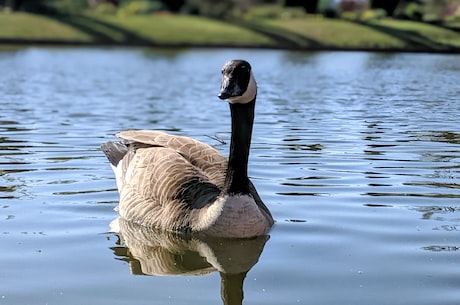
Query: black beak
[224, 94]
[228, 88]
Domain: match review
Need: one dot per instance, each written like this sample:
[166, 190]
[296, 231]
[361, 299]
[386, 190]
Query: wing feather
[203, 156]
[168, 177]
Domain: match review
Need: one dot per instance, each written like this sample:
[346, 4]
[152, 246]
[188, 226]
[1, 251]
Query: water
[356, 154]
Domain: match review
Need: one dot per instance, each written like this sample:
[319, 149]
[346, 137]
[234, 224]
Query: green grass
[189, 29]
[28, 26]
[379, 34]
[302, 32]
[337, 33]
[423, 33]
[166, 29]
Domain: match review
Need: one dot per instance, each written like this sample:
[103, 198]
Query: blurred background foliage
[360, 10]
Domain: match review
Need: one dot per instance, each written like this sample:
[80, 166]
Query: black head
[238, 83]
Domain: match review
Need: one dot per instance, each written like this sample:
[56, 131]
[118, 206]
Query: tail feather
[115, 151]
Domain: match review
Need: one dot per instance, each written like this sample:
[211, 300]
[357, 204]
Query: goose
[179, 184]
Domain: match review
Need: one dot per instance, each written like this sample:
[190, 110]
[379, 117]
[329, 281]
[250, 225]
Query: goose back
[202, 156]
[168, 181]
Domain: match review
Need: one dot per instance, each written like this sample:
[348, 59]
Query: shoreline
[14, 42]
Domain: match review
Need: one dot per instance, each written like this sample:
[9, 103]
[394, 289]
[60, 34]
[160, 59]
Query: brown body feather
[163, 179]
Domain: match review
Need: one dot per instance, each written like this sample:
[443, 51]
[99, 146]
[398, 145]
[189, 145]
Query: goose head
[238, 85]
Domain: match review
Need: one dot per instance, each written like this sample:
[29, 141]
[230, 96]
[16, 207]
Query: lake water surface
[357, 155]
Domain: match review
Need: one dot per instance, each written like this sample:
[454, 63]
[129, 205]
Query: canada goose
[176, 183]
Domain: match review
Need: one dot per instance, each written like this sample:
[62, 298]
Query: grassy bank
[132, 30]
[21, 26]
[378, 34]
[182, 30]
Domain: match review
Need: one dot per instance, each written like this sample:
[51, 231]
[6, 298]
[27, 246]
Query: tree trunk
[388, 5]
[309, 5]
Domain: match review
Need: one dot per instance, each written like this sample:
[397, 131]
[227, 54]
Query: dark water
[356, 154]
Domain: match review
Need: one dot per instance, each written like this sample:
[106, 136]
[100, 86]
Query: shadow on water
[440, 136]
[12, 161]
[157, 253]
[446, 216]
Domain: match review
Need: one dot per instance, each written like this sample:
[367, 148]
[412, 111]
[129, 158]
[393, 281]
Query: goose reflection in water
[152, 252]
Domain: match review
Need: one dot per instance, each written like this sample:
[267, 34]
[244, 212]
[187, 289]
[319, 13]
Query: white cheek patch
[248, 95]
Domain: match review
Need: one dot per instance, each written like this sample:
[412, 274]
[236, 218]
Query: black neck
[237, 181]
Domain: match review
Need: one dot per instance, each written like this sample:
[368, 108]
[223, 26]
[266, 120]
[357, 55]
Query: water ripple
[356, 154]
